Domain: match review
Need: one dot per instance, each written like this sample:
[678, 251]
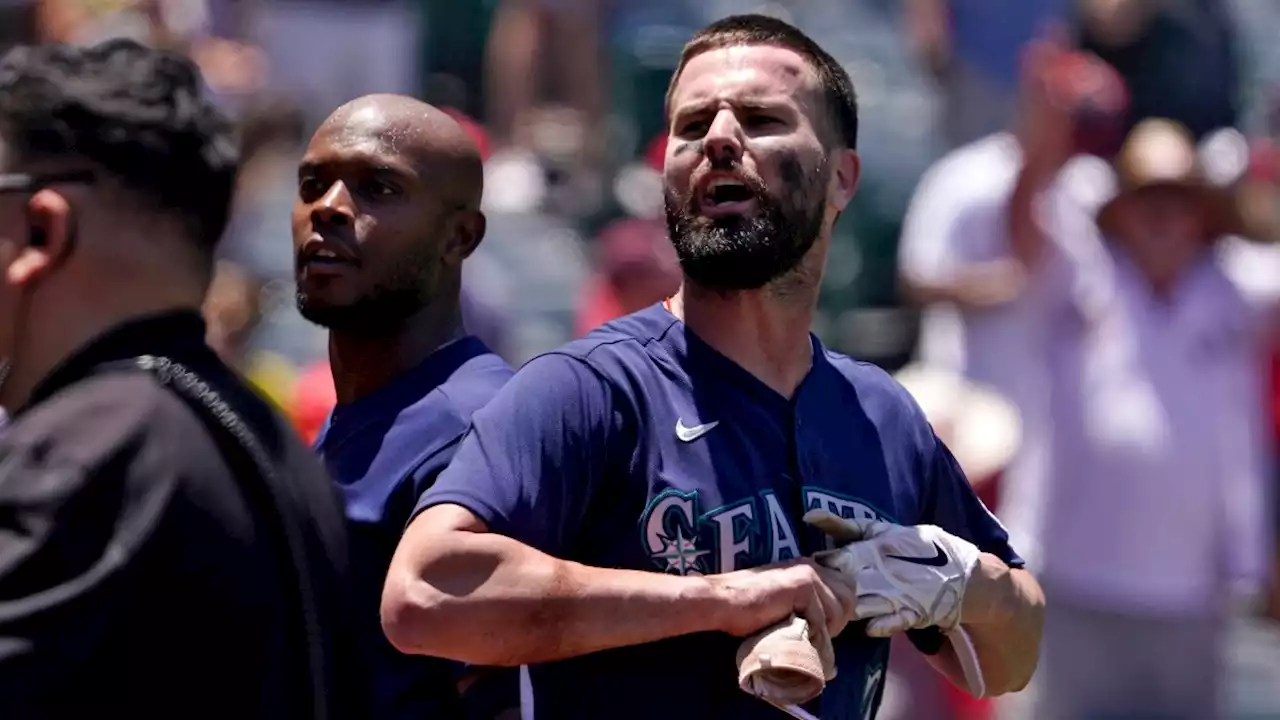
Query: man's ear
[48, 217]
[844, 181]
[466, 236]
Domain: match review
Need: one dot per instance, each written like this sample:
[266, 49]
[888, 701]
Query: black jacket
[142, 568]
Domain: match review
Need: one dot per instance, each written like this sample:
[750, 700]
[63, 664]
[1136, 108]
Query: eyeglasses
[33, 182]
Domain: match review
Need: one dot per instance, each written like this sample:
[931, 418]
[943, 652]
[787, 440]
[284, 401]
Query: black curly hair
[138, 114]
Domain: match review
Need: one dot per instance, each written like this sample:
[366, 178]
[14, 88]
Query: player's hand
[907, 577]
[757, 598]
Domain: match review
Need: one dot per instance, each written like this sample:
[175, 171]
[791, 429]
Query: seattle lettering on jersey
[683, 540]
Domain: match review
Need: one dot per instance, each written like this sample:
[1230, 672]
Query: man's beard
[384, 309]
[746, 253]
[381, 312]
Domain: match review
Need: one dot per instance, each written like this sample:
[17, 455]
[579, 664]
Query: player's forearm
[486, 599]
[1004, 616]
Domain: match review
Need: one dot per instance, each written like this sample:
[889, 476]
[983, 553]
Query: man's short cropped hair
[837, 89]
[138, 114]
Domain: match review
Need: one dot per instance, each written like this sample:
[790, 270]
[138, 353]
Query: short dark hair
[139, 114]
[837, 88]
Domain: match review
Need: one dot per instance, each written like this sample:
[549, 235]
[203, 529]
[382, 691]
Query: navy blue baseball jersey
[642, 447]
[383, 451]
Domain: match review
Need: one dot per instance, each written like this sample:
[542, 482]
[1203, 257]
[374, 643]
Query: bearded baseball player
[632, 505]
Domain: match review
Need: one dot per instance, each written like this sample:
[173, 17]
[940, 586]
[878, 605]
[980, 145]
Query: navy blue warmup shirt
[641, 447]
[384, 450]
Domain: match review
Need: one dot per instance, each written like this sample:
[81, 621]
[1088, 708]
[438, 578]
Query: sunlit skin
[387, 208]
[366, 194]
[755, 113]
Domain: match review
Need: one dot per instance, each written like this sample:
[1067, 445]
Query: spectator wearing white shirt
[955, 261]
[1152, 513]
[955, 256]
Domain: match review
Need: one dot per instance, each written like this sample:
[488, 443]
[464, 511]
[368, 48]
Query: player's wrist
[714, 603]
[734, 603]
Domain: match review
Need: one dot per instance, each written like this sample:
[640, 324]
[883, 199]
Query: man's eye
[310, 187]
[761, 120]
[696, 128]
[377, 188]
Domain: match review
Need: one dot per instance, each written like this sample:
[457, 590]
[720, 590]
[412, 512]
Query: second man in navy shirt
[387, 210]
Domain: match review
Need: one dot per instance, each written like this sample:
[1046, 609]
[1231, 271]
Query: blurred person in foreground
[164, 538]
[1152, 513]
[630, 506]
[387, 210]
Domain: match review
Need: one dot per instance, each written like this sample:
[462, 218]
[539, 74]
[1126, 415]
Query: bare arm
[929, 33]
[515, 43]
[582, 68]
[974, 286]
[1027, 239]
[456, 590]
[1004, 615]
[1046, 135]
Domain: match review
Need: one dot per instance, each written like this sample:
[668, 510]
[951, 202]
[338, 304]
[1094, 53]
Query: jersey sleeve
[952, 505]
[429, 469]
[535, 454]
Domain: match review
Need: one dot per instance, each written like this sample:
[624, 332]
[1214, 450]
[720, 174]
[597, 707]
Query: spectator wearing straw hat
[1149, 517]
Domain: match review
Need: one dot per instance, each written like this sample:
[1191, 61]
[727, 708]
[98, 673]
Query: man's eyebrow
[764, 104]
[308, 167]
[751, 103]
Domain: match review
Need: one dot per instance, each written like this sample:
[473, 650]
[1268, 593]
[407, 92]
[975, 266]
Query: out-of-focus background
[565, 98]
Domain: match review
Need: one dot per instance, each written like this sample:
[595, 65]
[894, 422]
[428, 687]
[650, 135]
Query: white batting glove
[908, 577]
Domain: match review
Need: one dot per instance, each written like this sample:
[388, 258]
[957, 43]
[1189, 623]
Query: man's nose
[334, 207]
[723, 143]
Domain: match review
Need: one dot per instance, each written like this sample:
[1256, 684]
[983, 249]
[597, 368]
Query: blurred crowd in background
[565, 100]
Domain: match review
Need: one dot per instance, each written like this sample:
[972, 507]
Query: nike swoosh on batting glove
[908, 577]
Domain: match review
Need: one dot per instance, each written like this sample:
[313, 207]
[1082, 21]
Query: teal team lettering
[682, 538]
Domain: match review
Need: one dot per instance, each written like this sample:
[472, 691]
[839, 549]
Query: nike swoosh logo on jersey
[689, 434]
[938, 560]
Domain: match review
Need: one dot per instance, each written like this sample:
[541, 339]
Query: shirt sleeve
[952, 505]
[428, 470]
[69, 533]
[535, 454]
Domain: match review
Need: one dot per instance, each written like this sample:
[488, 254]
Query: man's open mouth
[726, 191]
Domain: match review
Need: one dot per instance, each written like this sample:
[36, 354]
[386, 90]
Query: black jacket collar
[178, 335]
